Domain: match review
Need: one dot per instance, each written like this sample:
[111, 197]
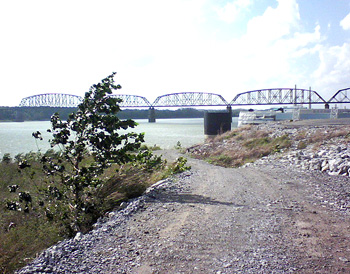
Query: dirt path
[258, 219]
[248, 220]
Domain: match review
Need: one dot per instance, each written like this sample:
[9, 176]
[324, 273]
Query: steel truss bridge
[275, 96]
[51, 100]
[285, 96]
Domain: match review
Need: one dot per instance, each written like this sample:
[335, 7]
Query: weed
[222, 160]
[152, 148]
[6, 158]
[180, 165]
[24, 235]
[178, 145]
[301, 145]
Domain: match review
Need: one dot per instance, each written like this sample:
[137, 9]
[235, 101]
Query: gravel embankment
[275, 216]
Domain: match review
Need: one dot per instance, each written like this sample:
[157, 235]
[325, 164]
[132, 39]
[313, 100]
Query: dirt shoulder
[249, 220]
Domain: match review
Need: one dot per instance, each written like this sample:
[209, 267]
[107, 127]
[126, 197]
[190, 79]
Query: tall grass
[23, 235]
[249, 143]
[243, 145]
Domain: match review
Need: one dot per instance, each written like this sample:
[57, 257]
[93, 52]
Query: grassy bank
[24, 232]
[240, 146]
[249, 143]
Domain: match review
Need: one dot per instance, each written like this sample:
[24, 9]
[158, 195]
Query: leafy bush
[180, 166]
[178, 145]
[87, 144]
[6, 158]
[91, 168]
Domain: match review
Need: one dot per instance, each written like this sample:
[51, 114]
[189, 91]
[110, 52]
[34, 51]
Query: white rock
[325, 168]
[78, 236]
[322, 153]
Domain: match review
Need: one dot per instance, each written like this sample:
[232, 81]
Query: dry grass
[32, 232]
[242, 145]
[248, 143]
[319, 136]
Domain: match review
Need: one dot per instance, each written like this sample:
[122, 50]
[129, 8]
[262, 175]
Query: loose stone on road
[265, 218]
[248, 220]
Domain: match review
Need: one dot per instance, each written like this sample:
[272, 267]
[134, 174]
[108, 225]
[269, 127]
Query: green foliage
[20, 243]
[155, 147]
[152, 148]
[25, 233]
[221, 160]
[273, 144]
[147, 161]
[91, 168]
[178, 145]
[301, 145]
[252, 143]
[6, 158]
[88, 143]
[49, 216]
[180, 166]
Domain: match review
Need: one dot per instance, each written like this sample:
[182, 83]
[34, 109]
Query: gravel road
[258, 219]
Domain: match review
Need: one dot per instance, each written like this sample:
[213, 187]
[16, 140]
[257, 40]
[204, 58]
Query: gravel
[278, 215]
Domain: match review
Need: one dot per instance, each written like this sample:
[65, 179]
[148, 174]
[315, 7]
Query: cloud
[345, 23]
[275, 23]
[264, 56]
[160, 47]
[334, 69]
[232, 10]
[68, 45]
[275, 51]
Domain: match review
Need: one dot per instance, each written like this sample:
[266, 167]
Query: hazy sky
[166, 46]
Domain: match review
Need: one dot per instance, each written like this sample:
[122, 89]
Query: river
[17, 138]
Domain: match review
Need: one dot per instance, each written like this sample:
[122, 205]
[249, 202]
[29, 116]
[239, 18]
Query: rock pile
[329, 154]
[333, 159]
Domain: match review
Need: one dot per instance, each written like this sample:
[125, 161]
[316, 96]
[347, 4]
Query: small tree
[89, 142]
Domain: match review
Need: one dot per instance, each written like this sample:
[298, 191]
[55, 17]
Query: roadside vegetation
[305, 138]
[26, 232]
[249, 143]
[92, 168]
[240, 146]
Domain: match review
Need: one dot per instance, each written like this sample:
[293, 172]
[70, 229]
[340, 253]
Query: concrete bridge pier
[151, 115]
[229, 110]
[217, 122]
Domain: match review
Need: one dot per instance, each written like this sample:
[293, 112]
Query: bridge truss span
[193, 99]
[278, 96]
[132, 100]
[341, 96]
[51, 100]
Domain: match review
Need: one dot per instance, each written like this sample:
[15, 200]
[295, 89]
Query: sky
[168, 46]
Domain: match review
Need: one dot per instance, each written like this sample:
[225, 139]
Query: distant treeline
[19, 114]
